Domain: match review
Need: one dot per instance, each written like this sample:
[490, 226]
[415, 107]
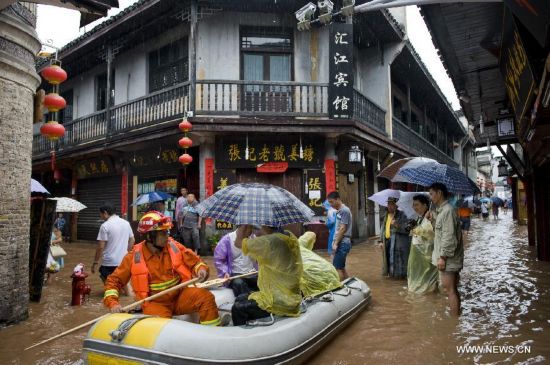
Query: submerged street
[505, 297]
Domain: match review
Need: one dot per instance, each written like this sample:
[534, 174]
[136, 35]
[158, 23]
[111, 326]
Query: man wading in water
[448, 253]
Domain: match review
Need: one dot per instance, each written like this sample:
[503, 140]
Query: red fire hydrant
[80, 288]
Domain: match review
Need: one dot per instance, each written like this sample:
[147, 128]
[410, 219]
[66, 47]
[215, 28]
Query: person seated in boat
[279, 272]
[319, 275]
[230, 261]
[159, 263]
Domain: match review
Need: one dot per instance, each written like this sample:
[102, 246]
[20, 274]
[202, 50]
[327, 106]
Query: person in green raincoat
[319, 275]
[422, 274]
[277, 253]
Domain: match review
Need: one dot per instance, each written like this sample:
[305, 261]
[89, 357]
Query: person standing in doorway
[448, 253]
[190, 223]
[115, 239]
[180, 204]
[341, 244]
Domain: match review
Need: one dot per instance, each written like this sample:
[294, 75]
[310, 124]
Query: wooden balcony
[420, 145]
[213, 98]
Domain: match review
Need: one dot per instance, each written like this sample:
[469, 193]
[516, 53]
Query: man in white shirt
[115, 239]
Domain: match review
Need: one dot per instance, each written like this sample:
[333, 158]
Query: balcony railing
[268, 98]
[213, 97]
[413, 140]
[368, 113]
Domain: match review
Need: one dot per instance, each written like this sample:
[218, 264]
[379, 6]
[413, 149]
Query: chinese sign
[314, 195]
[515, 69]
[330, 176]
[209, 176]
[340, 86]
[232, 152]
[222, 179]
[94, 168]
[154, 158]
[535, 16]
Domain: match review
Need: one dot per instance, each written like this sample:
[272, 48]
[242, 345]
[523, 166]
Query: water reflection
[505, 298]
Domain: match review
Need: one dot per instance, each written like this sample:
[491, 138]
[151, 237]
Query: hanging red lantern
[54, 102]
[185, 142]
[185, 159]
[185, 126]
[52, 130]
[57, 176]
[54, 74]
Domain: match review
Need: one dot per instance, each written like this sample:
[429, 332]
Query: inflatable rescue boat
[136, 339]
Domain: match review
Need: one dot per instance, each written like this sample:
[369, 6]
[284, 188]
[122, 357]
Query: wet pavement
[505, 293]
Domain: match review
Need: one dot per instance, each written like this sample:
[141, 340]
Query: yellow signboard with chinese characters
[237, 153]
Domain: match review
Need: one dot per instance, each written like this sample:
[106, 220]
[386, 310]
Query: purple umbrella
[36, 187]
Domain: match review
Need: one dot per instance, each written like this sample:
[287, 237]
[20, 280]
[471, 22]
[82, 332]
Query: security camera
[306, 12]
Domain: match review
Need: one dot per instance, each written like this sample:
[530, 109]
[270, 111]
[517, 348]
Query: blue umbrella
[497, 201]
[36, 187]
[427, 174]
[484, 200]
[257, 204]
[154, 196]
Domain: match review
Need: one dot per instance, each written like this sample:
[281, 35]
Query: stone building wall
[18, 82]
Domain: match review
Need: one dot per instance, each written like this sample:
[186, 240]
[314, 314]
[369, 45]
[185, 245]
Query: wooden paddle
[206, 284]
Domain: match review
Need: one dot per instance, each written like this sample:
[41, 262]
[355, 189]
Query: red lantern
[57, 176]
[54, 74]
[185, 142]
[185, 126]
[54, 102]
[186, 159]
[52, 130]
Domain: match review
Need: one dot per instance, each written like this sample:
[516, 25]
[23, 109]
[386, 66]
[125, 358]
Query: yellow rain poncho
[279, 272]
[319, 275]
[422, 275]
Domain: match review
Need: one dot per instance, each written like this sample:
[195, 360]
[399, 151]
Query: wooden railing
[268, 98]
[213, 97]
[368, 113]
[422, 147]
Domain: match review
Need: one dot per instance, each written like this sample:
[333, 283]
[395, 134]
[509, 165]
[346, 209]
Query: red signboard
[272, 167]
[124, 194]
[330, 176]
[209, 176]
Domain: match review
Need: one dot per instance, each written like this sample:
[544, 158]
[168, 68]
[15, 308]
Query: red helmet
[154, 221]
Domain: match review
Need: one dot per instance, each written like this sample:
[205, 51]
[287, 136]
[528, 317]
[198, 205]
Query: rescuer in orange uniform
[159, 263]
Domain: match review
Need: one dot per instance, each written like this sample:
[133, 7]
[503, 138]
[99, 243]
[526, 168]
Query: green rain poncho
[422, 275]
[279, 272]
[319, 275]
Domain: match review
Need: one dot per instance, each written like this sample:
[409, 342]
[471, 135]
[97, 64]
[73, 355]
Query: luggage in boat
[136, 339]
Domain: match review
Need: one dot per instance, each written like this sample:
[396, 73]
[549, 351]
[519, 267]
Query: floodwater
[505, 297]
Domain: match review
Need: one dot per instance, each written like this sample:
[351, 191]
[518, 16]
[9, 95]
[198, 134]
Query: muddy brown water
[505, 293]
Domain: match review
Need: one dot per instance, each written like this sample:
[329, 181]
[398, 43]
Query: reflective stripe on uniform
[110, 292]
[214, 322]
[164, 285]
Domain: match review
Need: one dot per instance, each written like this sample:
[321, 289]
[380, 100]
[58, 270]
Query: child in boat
[280, 269]
[230, 261]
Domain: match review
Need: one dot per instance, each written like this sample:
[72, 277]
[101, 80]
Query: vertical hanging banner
[330, 176]
[124, 194]
[209, 176]
[340, 82]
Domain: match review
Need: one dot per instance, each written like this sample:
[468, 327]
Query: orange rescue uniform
[160, 275]
[464, 212]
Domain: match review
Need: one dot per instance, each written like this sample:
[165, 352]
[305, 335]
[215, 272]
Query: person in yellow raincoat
[422, 274]
[279, 272]
[319, 275]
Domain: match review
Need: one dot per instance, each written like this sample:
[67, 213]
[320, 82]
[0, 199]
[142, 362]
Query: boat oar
[124, 309]
[206, 284]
